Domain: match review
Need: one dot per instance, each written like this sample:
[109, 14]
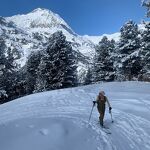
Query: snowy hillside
[18, 39]
[58, 120]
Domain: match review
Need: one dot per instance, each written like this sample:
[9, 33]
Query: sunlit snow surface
[58, 120]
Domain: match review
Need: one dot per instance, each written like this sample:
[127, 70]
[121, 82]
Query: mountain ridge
[46, 12]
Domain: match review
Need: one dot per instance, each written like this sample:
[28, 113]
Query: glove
[110, 109]
[94, 102]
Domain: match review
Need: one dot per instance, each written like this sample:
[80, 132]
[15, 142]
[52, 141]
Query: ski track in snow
[131, 127]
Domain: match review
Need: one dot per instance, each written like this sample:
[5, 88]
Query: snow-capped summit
[44, 23]
[41, 10]
[39, 18]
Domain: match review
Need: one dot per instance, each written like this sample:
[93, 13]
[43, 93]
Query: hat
[102, 92]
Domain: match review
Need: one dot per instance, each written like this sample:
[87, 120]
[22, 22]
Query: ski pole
[91, 114]
[111, 117]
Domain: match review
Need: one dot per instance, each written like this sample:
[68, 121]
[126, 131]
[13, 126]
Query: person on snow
[101, 100]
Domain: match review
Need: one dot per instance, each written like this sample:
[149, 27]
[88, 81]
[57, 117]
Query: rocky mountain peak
[38, 18]
[41, 10]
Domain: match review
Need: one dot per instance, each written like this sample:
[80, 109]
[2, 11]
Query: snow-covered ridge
[42, 18]
[96, 39]
[59, 119]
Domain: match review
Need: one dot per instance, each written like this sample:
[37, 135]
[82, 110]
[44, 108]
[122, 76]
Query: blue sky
[92, 17]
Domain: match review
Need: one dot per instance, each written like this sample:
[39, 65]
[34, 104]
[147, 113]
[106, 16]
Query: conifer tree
[103, 64]
[57, 68]
[146, 3]
[145, 52]
[8, 68]
[31, 71]
[2, 63]
[128, 64]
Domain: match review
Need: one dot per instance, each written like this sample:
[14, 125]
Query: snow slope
[58, 120]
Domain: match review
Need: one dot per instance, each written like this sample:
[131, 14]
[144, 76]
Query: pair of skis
[105, 129]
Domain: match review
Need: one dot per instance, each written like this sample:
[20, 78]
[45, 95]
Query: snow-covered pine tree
[128, 62]
[43, 73]
[145, 53]
[57, 68]
[11, 71]
[9, 68]
[31, 71]
[103, 64]
[146, 3]
[2, 67]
